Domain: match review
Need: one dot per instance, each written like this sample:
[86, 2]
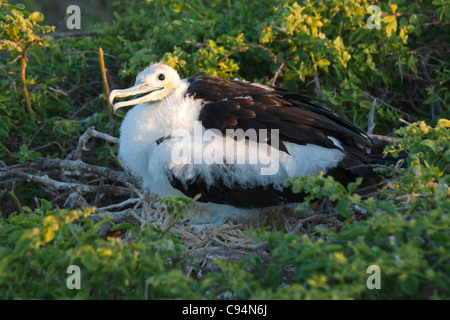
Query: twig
[414, 195]
[57, 185]
[122, 216]
[63, 152]
[88, 84]
[91, 132]
[317, 216]
[73, 233]
[81, 166]
[74, 34]
[106, 87]
[277, 73]
[404, 121]
[389, 106]
[195, 44]
[383, 138]
[371, 124]
[119, 205]
[83, 107]
[42, 127]
[317, 85]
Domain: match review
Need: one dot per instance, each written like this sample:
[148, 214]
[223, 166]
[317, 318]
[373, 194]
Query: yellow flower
[312, 282]
[50, 221]
[340, 257]
[105, 253]
[424, 127]
[443, 123]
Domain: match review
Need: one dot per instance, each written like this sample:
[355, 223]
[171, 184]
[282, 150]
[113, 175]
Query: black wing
[235, 105]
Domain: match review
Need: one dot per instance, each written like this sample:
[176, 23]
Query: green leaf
[343, 208]
[45, 205]
[353, 185]
[387, 206]
[323, 63]
[412, 63]
[432, 144]
[121, 226]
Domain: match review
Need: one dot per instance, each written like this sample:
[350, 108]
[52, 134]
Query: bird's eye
[161, 77]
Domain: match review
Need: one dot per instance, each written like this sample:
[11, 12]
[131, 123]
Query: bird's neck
[148, 122]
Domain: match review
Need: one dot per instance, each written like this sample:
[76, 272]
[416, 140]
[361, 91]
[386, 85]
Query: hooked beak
[140, 91]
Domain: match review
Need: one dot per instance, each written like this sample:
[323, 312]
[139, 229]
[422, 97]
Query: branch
[58, 186]
[371, 124]
[384, 103]
[91, 132]
[81, 166]
[119, 205]
[386, 139]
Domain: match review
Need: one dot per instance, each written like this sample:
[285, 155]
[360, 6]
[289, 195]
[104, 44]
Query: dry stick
[277, 73]
[57, 185]
[318, 90]
[383, 138]
[106, 87]
[119, 205]
[83, 107]
[42, 127]
[317, 216]
[91, 132]
[119, 216]
[81, 166]
[389, 106]
[371, 124]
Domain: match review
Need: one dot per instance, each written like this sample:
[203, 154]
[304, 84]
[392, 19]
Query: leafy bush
[36, 248]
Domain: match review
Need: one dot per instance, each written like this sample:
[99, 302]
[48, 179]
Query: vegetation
[394, 79]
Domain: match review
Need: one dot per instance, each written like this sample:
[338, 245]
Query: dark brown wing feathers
[241, 105]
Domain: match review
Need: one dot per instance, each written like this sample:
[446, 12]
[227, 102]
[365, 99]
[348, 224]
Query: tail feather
[389, 160]
[350, 168]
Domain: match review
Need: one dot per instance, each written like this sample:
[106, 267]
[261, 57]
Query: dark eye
[161, 77]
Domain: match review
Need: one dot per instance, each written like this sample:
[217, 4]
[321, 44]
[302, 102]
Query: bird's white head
[154, 83]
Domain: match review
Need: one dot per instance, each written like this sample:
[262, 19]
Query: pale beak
[138, 89]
